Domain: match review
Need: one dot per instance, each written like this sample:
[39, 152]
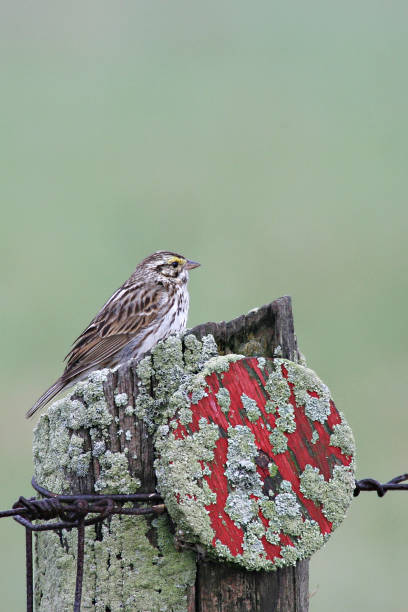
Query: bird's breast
[171, 321]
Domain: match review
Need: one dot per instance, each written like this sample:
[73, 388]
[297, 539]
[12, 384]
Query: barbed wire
[72, 511]
[369, 484]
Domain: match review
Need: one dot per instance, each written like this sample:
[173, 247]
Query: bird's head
[171, 265]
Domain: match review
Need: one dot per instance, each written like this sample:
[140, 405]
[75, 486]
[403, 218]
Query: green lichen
[223, 399]
[193, 356]
[114, 475]
[339, 494]
[243, 479]
[289, 555]
[240, 507]
[144, 404]
[168, 369]
[306, 386]
[316, 409]
[121, 399]
[334, 495]
[245, 499]
[179, 367]
[91, 389]
[270, 408]
[286, 419]
[181, 475]
[145, 371]
[179, 377]
[306, 381]
[242, 452]
[272, 536]
[279, 394]
[57, 449]
[180, 403]
[268, 509]
[251, 408]
[312, 483]
[98, 448]
[220, 364]
[254, 556]
[292, 525]
[195, 386]
[279, 441]
[277, 388]
[196, 353]
[315, 437]
[178, 465]
[342, 437]
[123, 570]
[284, 515]
[286, 504]
[79, 459]
[310, 540]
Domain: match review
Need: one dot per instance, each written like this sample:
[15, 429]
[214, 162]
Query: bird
[150, 306]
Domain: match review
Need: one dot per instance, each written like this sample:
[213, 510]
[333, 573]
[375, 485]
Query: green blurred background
[267, 140]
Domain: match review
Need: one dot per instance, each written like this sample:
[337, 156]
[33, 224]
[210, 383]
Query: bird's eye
[175, 264]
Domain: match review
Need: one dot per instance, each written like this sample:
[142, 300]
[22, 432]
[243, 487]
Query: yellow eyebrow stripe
[179, 260]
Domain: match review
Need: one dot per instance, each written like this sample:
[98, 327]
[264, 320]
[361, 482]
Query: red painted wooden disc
[257, 468]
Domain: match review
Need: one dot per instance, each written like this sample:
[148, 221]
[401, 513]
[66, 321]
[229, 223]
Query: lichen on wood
[253, 485]
[123, 569]
[104, 428]
[82, 441]
[86, 441]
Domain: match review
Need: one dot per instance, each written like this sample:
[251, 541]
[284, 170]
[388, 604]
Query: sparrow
[150, 306]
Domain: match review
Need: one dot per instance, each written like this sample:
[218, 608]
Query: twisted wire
[72, 510]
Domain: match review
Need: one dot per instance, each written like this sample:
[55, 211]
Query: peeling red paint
[246, 376]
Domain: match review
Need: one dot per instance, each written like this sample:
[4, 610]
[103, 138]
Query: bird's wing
[132, 308]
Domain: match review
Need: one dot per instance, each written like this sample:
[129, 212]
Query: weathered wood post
[103, 438]
[265, 332]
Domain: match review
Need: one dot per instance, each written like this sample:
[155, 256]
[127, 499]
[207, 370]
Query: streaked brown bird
[151, 305]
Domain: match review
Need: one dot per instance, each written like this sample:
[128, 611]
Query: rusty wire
[72, 511]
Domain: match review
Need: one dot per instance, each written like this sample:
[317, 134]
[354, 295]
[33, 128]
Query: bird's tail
[47, 396]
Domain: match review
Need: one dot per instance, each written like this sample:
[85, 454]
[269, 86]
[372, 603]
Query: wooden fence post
[265, 332]
[100, 439]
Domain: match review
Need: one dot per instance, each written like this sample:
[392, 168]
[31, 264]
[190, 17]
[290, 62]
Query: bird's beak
[191, 264]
